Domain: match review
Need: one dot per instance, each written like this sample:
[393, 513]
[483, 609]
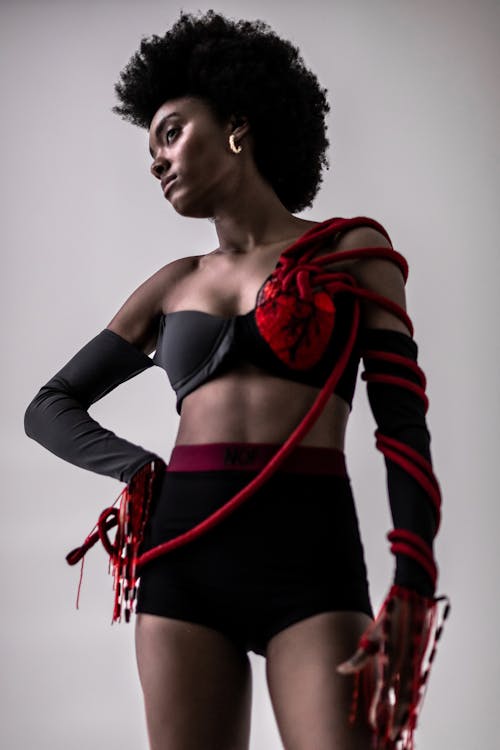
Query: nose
[158, 167]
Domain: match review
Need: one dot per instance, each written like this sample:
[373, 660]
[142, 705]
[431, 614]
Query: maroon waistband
[304, 459]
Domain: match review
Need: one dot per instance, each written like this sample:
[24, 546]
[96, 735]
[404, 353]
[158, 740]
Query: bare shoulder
[376, 274]
[138, 318]
[362, 236]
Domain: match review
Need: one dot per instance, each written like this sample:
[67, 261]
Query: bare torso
[246, 404]
[251, 407]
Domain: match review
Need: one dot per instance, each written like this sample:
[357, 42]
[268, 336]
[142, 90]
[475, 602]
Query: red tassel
[131, 519]
[420, 614]
[80, 581]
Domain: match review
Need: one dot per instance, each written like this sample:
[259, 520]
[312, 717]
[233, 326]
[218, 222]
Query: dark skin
[190, 670]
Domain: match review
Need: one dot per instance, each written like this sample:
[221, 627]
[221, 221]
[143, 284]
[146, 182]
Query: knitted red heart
[297, 330]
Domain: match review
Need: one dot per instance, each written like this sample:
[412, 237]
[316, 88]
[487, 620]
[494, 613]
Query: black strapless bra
[195, 347]
[296, 330]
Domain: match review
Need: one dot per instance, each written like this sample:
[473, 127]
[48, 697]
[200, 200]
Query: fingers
[355, 663]
[394, 645]
[387, 645]
[361, 657]
[382, 704]
[369, 644]
[403, 650]
[389, 638]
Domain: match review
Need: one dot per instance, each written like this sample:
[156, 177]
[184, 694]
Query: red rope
[371, 377]
[409, 551]
[397, 359]
[387, 304]
[414, 455]
[427, 481]
[413, 539]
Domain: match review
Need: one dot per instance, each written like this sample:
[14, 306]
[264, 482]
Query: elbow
[37, 413]
[30, 418]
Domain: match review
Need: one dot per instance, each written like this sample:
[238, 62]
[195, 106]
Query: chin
[192, 210]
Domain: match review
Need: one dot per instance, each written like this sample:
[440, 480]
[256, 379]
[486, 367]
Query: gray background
[413, 129]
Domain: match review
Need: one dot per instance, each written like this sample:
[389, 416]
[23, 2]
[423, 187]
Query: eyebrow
[160, 126]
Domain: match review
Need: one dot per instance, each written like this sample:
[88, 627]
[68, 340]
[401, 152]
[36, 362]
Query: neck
[252, 217]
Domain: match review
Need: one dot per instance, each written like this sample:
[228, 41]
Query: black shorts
[290, 551]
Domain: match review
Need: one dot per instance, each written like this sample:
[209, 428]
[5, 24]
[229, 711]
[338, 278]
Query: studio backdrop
[413, 129]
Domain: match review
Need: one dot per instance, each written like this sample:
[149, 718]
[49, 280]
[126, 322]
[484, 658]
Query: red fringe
[422, 615]
[130, 519]
[124, 552]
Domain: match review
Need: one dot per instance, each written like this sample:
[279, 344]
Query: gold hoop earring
[235, 149]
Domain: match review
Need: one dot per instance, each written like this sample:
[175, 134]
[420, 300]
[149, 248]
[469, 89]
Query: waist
[235, 456]
[248, 406]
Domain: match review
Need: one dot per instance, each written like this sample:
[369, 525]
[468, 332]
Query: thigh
[197, 685]
[311, 701]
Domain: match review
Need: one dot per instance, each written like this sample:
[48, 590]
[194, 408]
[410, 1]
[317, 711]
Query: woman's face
[190, 146]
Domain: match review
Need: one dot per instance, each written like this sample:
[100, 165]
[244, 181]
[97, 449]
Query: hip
[300, 520]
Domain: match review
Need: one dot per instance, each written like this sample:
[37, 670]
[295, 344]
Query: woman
[261, 339]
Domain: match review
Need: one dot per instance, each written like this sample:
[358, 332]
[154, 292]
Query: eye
[167, 134]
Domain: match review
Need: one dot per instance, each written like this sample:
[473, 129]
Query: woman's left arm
[396, 392]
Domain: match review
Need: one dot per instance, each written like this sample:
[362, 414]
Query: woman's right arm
[57, 417]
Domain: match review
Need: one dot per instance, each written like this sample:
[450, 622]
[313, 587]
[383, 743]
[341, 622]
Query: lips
[167, 183]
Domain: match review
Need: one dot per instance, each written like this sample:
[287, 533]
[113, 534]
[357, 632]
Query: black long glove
[58, 419]
[396, 391]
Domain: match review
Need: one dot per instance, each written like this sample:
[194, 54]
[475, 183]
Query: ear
[239, 125]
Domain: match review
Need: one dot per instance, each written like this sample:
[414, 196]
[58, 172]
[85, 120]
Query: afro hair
[238, 68]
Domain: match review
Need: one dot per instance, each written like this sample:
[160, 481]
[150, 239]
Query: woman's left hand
[393, 646]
